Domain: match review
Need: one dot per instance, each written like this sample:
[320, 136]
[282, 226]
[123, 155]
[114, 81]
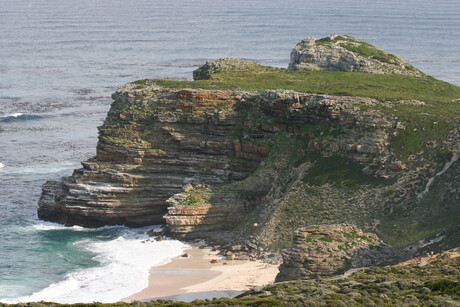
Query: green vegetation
[411, 219]
[197, 197]
[369, 51]
[380, 87]
[339, 170]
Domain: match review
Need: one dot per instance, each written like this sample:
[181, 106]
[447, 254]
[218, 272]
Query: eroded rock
[345, 53]
[324, 251]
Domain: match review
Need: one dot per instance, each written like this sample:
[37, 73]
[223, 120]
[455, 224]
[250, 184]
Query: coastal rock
[156, 141]
[153, 142]
[324, 251]
[345, 53]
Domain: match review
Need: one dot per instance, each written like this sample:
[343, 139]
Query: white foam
[43, 226]
[39, 169]
[125, 265]
[12, 115]
[2, 165]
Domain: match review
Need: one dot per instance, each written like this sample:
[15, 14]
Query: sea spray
[124, 266]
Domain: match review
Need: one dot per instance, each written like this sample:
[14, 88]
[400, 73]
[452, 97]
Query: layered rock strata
[345, 53]
[363, 138]
[156, 140]
[324, 251]
[153, 142]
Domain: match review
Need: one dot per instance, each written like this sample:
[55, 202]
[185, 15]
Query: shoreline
[195, 277]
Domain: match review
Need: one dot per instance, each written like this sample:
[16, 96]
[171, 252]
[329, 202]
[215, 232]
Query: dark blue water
[61, 60]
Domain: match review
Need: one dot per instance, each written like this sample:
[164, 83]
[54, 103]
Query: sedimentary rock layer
[153, 142]
[156, 140]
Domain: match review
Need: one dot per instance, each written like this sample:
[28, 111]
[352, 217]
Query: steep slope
[153, 142]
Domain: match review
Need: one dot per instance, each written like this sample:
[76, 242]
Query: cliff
[249, 153]
[154, 141]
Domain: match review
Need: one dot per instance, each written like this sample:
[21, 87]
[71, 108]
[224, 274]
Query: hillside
[249, 153]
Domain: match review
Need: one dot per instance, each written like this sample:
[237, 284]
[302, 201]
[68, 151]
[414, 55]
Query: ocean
[60, 61]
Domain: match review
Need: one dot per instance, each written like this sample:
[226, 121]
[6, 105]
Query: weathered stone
[323, 251]
[236, 248]
[341, 53]
[396, 166]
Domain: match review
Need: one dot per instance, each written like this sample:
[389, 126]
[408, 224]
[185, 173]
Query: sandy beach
[195, 277]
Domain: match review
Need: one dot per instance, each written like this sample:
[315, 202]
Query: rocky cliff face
[363, 139]
[153, 143]
[345, 53]
[157, 140]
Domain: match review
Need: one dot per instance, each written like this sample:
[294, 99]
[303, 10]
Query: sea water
[60, 60]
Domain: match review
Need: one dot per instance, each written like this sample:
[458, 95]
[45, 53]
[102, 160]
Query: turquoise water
[61, 60]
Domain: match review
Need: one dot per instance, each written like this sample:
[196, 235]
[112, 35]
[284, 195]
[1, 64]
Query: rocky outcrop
[345, 53]
[363, 139]
[197, 212]
[324, 251]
